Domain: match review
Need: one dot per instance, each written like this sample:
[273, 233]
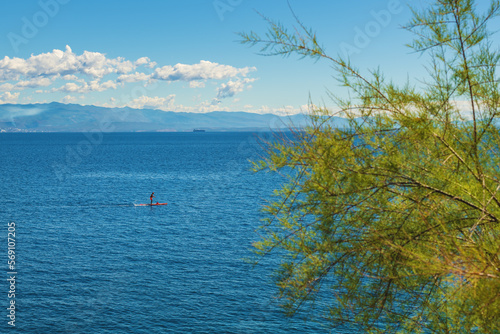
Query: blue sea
[88, 261]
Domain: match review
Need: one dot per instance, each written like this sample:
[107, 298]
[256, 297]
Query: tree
[394, 221]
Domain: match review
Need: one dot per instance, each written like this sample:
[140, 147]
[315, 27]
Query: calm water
[88, 261]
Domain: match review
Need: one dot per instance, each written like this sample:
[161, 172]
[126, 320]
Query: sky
[185, 56]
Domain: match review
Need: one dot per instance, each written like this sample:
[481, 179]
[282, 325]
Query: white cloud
[71, 87]
[92, 86]
[204, 70]
[168, 104]
[70, 77]
[142, 61]
[71, 73]
[7, 87]
[34, 83]
[145, 61]
[63, 63]
[31, 83]
[163, 103]
[209, 106]
[8, 97]
[134, 77]
[69, 99]
[231, 88]
[98, 87]
[283, 111]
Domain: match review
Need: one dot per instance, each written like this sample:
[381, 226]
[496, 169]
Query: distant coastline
[59, 117]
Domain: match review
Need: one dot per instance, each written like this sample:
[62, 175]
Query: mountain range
[59, 117]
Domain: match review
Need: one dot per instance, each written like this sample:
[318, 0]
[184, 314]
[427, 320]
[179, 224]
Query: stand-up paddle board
[154, 204]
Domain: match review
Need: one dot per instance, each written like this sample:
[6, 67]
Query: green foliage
[393, 222]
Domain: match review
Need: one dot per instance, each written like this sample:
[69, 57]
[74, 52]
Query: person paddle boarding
[151, 197]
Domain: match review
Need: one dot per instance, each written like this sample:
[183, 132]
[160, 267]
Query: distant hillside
[58, 117]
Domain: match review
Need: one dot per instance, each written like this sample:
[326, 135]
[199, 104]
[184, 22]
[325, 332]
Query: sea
[78, 255]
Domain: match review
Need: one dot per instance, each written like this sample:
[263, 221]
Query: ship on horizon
[198, 130]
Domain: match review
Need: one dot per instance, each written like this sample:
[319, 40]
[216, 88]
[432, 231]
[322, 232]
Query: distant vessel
[198, 130]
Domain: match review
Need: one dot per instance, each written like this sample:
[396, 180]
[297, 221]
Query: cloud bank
[64, 75]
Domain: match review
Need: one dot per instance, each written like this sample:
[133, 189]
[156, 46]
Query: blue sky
[185, 55]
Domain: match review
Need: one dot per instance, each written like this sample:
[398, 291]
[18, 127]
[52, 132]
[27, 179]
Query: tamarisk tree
[393, 222]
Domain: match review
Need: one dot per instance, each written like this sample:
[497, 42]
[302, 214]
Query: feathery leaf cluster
[394, 221]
